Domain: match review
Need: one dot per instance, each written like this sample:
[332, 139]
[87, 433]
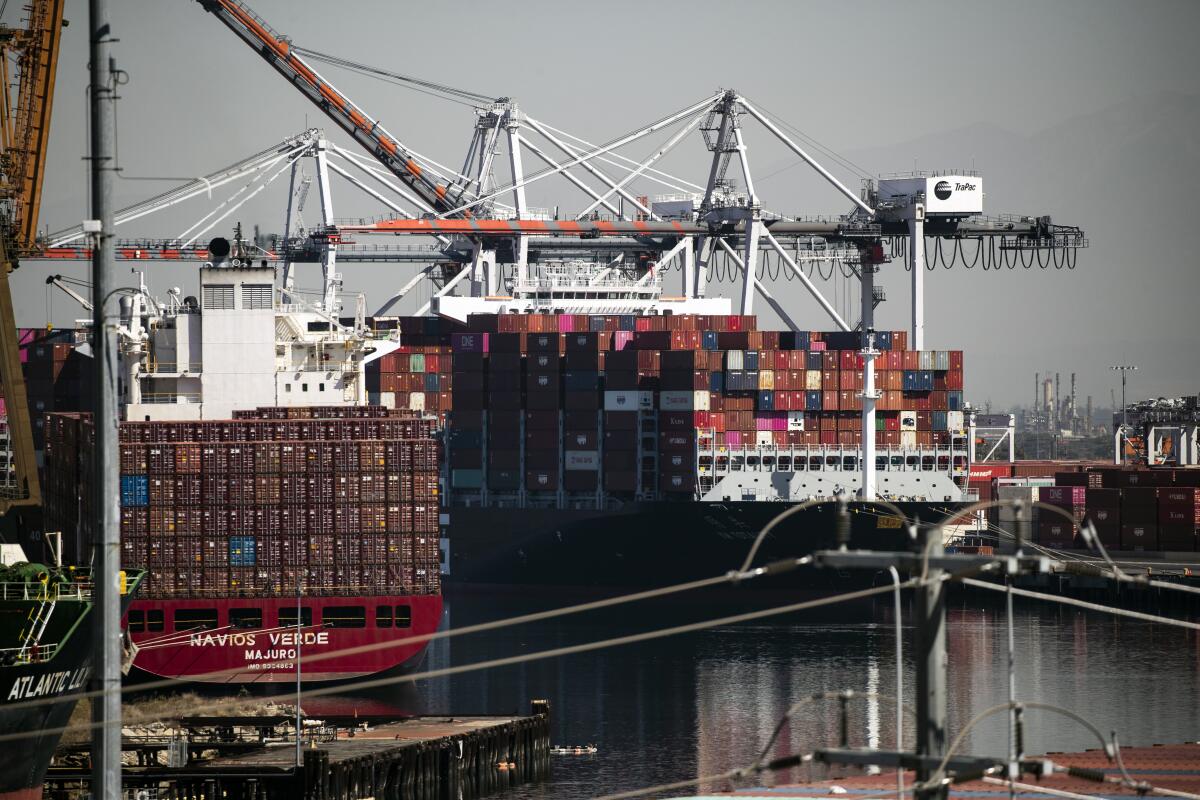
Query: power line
[587, 647]
[1071, 601]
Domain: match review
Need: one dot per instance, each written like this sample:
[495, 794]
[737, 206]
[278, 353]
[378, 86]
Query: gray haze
[1083, 110]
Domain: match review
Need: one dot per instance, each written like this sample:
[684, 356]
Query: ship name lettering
[49, 683]
[289, 639]
[221, 639]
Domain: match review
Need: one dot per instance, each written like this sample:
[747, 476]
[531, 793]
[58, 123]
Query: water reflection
[705, 702]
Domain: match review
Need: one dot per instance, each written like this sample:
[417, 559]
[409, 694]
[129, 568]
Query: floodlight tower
[1124, 369]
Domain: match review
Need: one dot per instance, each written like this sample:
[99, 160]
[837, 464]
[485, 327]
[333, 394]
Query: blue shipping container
[766, 400]
[955, 400]
[135, 491]
[751, 360]
[242, 551]
[431, 382]
[708, 340]
[716, 381]
[812, 399]
[938, 419]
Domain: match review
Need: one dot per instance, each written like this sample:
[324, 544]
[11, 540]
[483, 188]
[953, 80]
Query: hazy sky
[1083, 110]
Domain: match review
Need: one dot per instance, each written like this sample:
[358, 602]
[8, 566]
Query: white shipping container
[702, 401]
[646, 401]
[908, 440]
[954, 420]
[622, 401]
[908, 421]
[795, 420]
[416, 401]
[676, 401]
[734, 359]
[588, 460]
[764, 438]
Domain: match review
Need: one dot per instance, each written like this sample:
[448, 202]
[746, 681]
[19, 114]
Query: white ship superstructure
[237, 346]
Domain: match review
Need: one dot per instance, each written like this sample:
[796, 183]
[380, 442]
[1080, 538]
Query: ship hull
[24, 762]
[271, 653]
[655, 543]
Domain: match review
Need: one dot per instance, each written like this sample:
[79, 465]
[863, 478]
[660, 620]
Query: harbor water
[705, 702]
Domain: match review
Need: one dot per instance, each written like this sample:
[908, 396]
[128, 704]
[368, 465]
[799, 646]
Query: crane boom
[24, 137]
[25, 132]
[430, 186]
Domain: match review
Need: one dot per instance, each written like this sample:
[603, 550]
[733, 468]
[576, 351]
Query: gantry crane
[32, 51]
[434, 192]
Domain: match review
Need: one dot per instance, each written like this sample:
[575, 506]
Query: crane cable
[426, 87]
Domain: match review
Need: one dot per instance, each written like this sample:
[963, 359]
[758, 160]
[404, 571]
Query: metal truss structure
[609, 255]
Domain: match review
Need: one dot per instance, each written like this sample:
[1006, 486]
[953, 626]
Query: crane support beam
[20, 427]
[431, 187]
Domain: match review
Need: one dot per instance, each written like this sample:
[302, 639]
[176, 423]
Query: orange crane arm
[25, 138]
[429, 186]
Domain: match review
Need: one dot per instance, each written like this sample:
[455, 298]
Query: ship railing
[722, 459]
[33, 654]
[185, 366]
[287, 589]
[36, 591]
[166, 398]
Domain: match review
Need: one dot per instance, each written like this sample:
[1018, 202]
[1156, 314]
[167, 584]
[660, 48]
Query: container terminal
[257, 486]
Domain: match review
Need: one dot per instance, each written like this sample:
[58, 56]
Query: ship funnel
[126, 306]
[218, 249]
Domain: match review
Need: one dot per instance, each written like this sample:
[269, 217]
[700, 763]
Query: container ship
[280, 516]
[595, 450]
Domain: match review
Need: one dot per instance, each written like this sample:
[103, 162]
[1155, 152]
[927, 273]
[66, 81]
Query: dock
[420, 758]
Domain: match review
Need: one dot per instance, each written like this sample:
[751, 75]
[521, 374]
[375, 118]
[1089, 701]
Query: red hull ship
[382, 634]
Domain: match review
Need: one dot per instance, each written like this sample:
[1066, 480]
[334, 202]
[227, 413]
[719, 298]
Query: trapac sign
[950, 195]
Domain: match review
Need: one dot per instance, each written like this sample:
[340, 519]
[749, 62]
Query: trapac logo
[943, 190]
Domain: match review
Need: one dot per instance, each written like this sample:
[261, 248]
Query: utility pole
[931, 664]
[106, 561]
[928, 560]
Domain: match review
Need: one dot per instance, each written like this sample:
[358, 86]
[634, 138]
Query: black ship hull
[659, 543]
[29, 710]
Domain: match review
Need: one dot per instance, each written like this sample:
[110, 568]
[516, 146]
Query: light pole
[1124, 369]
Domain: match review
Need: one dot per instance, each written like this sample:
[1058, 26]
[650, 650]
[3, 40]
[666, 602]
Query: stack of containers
[1103, 508]
[622, 402]
[1054, 530]
[1178, 517]
[465, 424]
[56, 376]
[542, 381]
[503, 409]
[419, 375]
[1139, 518]
[581, 411]
[1134, 508]
[262, 504]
